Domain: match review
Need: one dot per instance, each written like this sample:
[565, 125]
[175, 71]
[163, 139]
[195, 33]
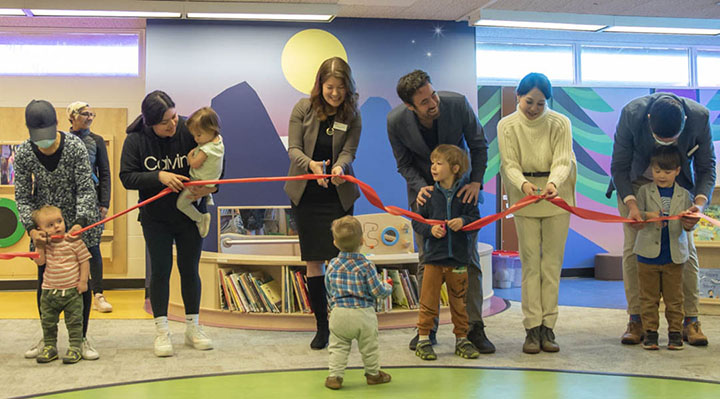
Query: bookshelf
[274, 257]
[277, 267]
[707, 242]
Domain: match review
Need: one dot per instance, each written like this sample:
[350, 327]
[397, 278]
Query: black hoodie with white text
[144, 156]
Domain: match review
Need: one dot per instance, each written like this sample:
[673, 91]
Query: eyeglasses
[88, 114]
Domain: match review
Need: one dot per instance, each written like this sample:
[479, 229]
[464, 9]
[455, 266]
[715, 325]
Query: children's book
[398, 293]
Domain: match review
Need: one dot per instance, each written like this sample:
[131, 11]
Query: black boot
[477, 336]
[318, 304]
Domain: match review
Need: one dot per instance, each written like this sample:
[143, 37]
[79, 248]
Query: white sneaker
[101, 304]
[196, 337]
[34, 350]
[163, 345]
[204, 225]
[87, 350]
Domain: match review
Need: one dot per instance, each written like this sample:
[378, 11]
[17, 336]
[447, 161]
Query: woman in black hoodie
[154, 156]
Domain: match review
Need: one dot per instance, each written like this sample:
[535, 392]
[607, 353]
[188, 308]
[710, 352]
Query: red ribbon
[374, 199]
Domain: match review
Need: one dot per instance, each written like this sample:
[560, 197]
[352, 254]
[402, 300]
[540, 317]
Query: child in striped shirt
[353, 285]
[66, 274]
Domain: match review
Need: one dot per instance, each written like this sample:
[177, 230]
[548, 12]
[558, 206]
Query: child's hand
[82, 286]
[69, 235]
[652, 215]
[39, 238]
[455, 224]
[438, 231]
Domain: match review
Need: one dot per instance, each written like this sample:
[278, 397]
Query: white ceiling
[460, 9]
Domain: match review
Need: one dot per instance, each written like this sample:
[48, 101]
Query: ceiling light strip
[538, 25]
[662, 30]
[261, 16]
[12, 11]
[105, 13]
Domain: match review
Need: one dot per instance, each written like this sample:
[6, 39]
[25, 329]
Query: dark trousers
[53, 302]
[96, 270]
[657, 280]
[159, 238]
[86, 301]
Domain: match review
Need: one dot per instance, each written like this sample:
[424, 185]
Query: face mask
[45, 143]
[664, 143]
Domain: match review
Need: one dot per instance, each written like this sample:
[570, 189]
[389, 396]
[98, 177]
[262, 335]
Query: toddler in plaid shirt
[353, 285]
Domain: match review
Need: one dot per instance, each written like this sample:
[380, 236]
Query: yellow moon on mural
[303, 54]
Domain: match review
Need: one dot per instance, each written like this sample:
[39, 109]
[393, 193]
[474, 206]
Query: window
[500, 62]
[708, 68]
[634, 66]
[68, 54]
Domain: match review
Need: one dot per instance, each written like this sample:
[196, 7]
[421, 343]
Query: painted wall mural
[253, 74]
[594, 113]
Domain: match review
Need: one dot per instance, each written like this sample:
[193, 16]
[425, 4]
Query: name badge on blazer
[340, 126]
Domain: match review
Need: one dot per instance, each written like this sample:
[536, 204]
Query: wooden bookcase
[709, 258]
[275, 265]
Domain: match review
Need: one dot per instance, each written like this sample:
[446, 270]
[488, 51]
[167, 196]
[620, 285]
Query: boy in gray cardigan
[662, 248]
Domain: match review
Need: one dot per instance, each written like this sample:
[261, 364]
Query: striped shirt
[352, 282]
[62, 264]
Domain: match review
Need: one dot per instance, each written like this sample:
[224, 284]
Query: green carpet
[421, 382]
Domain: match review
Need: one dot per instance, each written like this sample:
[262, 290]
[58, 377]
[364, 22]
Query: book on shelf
[296, 298]
[302, 287]
[398, 294]
[273, 293]
[249, 292]
[384, 304]
[244, 293]
[225, 302]
[258, 279]
[412, 302]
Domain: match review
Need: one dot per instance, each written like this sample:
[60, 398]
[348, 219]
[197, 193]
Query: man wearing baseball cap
[52, 168]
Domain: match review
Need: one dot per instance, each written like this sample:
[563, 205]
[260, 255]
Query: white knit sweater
[540, 145]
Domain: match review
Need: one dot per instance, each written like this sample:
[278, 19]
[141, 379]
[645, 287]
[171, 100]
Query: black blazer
[457, 124]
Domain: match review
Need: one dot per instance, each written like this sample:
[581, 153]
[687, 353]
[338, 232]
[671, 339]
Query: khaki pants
[347, 324]
[542, 248]
[630, 269]
[456, 283]
[665, 280]
[474, 296]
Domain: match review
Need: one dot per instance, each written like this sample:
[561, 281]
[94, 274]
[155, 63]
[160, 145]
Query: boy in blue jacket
[447, 253]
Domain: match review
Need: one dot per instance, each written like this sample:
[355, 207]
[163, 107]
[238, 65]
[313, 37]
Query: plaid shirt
[352, 282]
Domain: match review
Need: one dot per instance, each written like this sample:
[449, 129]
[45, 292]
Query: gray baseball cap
[41, 120]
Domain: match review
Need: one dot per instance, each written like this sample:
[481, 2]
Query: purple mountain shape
[252, 149]
[374, 162]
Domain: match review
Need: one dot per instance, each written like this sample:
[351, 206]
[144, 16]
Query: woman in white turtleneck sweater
[536, 155]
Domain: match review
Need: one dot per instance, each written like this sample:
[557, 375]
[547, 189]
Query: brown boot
[694, 335]
[380, 378]
[334, 382]
[547, 340]
[634, 333]
[532, 341]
